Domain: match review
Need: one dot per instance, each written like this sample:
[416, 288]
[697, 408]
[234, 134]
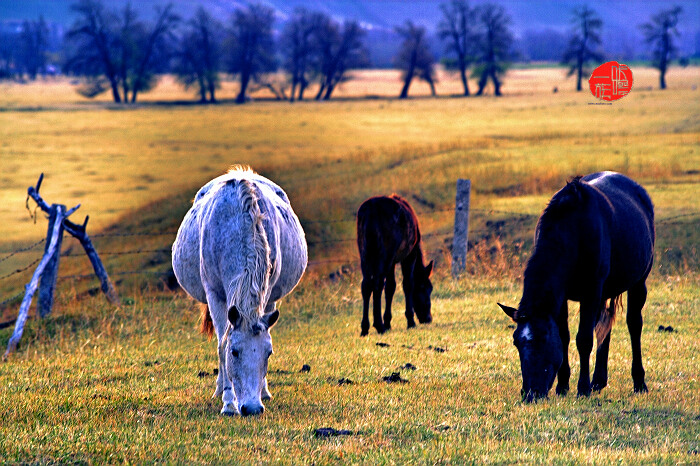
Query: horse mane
[249, 289]
[567, 198]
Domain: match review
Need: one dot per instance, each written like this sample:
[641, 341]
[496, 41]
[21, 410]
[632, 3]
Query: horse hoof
[583, 394]
[562, 391]
[381, 330]
[596, 387]
[364, 333]
[641, 388]
[229, 410]
[411, 325]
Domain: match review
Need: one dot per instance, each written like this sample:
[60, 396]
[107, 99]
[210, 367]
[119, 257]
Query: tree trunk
[465, 82]
[294, 89]
[579, 74]
[245, 79]
[212, 90]
[115, 91]
[321, 89]
[483, 79]
[407, 83]
[302, 88]
[496, 83]
[432, 87]
[329, 91]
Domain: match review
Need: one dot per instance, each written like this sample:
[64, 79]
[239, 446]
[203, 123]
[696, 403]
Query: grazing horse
[388, 233]
[593, 242]
[240, 248]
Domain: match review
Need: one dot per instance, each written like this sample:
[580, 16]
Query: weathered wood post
[79, 232]
[461, 232]
[47, 285]
[34, 282]
[47, 270]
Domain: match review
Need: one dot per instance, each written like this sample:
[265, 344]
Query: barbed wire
[3, 277]
[21, 250]
[11, 298]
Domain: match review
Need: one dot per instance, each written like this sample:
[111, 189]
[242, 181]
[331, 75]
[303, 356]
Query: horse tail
[248, 291]
[607, 319]
[207, 325]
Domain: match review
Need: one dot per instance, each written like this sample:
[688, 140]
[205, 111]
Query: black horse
[593, 242]
[388, 233]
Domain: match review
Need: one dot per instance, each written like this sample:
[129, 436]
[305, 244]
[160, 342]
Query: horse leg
[584, 342]
[265, 393]
[407, 270]
[377, 292]
[366, 293]
[636, 297]
[219, 313]
[600, 374]
[564, 370]
[389, 289]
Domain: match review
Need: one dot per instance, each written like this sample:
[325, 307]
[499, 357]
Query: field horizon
[96, 383]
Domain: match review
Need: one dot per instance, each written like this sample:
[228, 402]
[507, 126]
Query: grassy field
[95, 383]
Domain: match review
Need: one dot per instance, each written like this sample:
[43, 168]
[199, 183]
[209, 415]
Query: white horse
[240, 248]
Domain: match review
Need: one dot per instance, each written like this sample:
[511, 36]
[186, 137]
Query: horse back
[630, 229]
[387, 231]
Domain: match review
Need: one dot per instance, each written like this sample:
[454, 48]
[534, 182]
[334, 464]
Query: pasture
[95, 383]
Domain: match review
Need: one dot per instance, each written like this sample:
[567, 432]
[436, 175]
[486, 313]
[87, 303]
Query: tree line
[116, 51]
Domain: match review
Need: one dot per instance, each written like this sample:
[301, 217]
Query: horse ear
[429, 269]
[510, 312]
[270, 319]
[233, 316]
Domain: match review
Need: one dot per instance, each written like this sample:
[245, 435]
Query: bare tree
[118, 48]
[337, 50]
[198, 57]
[251, 45]
[456, 29]
[493, 45]
[153, 45]
[95, 52]
[585, 37]
[414, 57]
[659, 34]
[8, 54]
[34, 45]
[297, 43]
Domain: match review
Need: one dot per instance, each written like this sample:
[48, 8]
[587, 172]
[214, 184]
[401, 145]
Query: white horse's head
[248, 347]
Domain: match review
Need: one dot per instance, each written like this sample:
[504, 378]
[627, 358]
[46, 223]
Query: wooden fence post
[47, 270]
[47, 285]
[79, 231]
[461, 232]
[33, 283]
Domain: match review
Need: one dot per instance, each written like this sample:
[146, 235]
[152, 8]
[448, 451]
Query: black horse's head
[541, 352]
[422, 288]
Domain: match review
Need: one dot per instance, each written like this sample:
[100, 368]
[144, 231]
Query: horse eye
[234, 353]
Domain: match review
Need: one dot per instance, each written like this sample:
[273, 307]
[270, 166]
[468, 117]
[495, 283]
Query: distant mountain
[531, 19]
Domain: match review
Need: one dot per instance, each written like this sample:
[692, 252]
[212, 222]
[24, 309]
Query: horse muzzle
[252, 409]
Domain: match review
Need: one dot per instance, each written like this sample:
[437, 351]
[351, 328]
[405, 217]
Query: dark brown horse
[388, 233]
[594, 241]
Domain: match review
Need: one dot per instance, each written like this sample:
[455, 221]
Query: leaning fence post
[79, 231]
[461, 232]
[47, 285]
[33, 283]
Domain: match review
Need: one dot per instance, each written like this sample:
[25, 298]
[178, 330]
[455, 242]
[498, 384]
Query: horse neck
[252, 286]
[544, 283]
[418, 264]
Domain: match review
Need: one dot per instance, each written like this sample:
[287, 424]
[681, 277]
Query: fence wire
[672, 220]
